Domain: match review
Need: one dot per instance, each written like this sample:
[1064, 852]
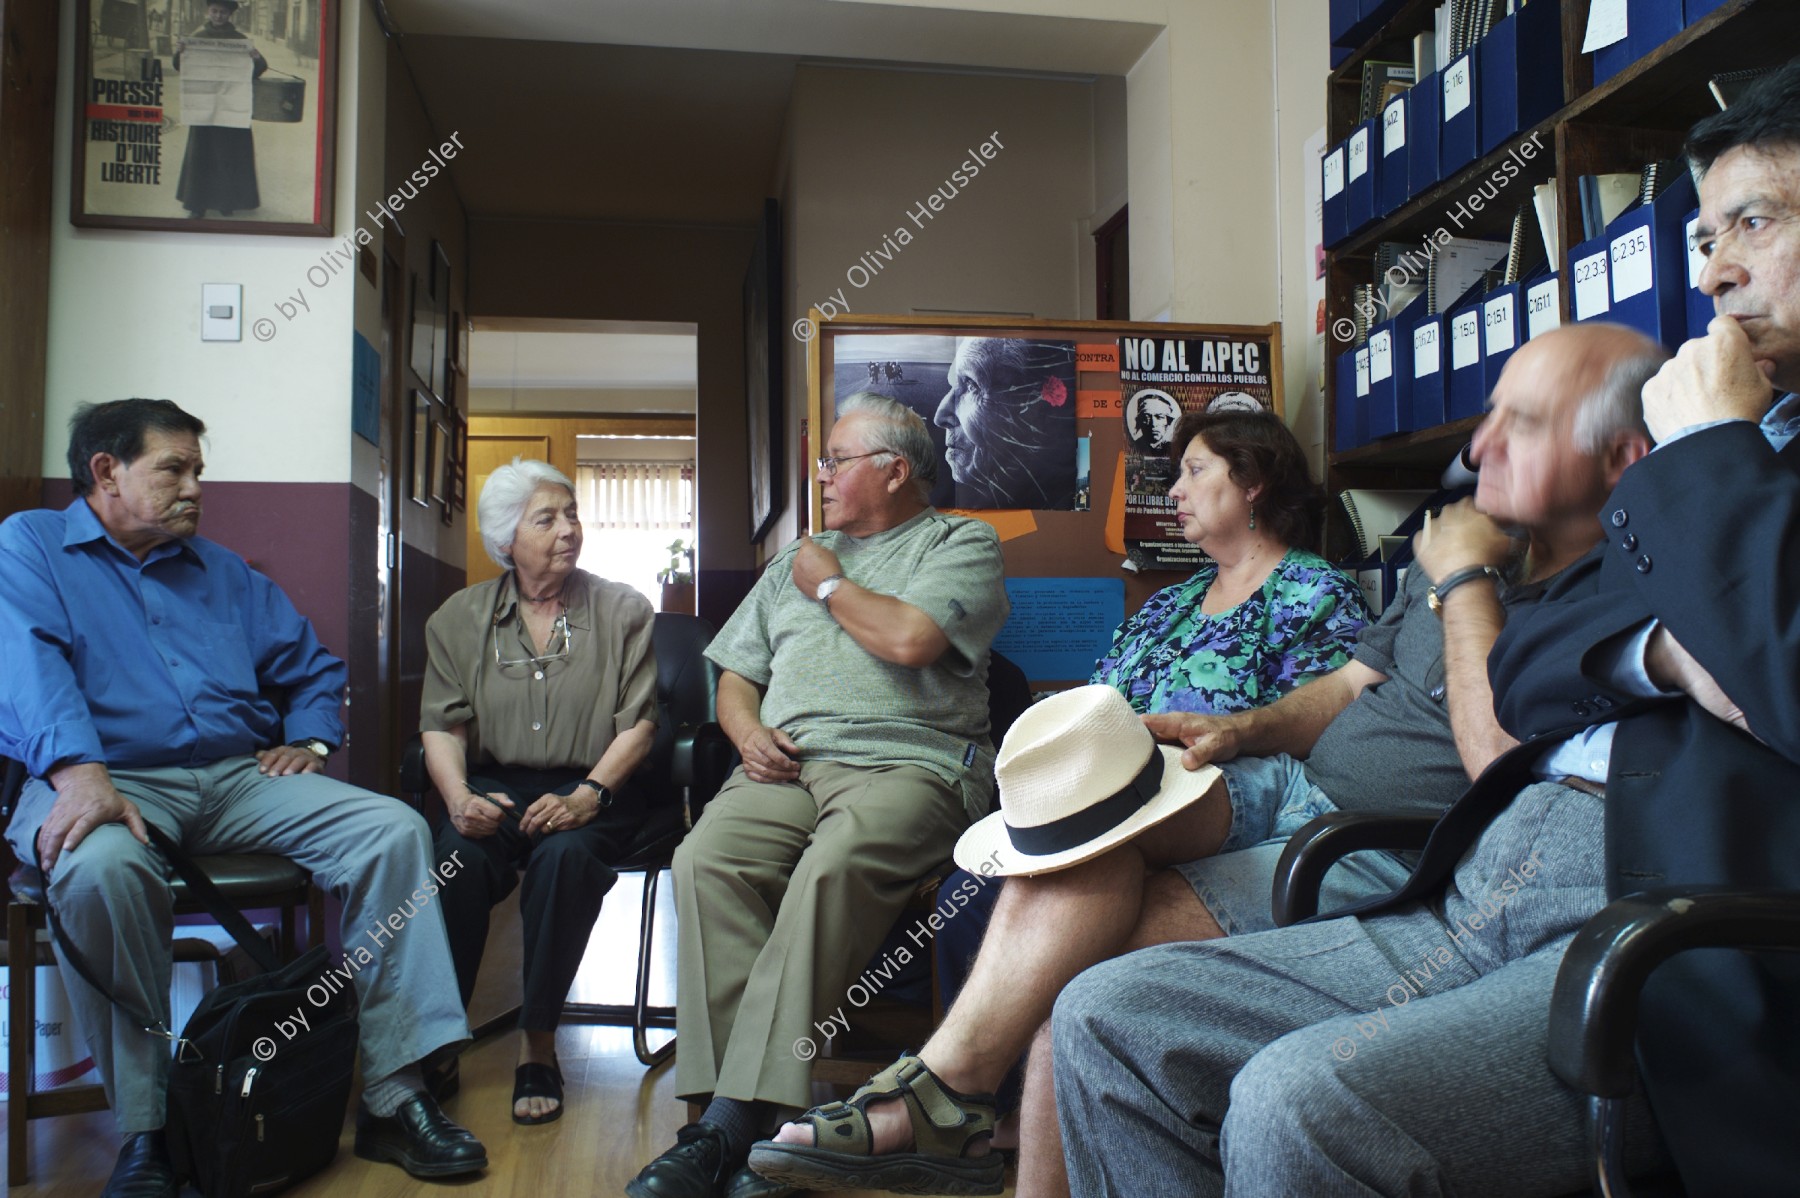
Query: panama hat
[1078, 774]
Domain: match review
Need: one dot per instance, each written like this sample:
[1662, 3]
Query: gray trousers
[1398, 1054]
[111, 898]
[784, 891]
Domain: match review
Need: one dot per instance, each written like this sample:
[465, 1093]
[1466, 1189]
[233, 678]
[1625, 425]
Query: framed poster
[762, 374]
[440, 457]
[205, 117]
[459, 448]
[418, 321]
[419, 435]
[440, 323]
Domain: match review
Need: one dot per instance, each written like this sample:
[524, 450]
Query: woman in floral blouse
[1262, 615]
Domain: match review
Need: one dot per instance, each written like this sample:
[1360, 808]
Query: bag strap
[209, 896]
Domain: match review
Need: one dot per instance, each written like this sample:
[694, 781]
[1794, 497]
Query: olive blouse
[541, 711]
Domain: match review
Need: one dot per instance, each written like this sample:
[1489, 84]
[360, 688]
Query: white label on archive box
[1591, 287]
[1428, 350]
[1465, 340]
[1362, 372]
[1381, 356]
[1359, 153]
[1540, 309]
[1393, 127]
[1498, 314]
[1696, 260]
[1334, 173]
[1631, 270]
[1456, 87]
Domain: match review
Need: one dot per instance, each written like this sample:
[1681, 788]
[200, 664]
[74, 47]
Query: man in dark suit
[1657, 693]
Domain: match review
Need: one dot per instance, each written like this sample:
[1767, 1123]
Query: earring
[1252, 519]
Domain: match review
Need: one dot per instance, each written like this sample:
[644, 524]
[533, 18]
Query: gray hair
[895, 431]
[1616, 407]
[503, 500]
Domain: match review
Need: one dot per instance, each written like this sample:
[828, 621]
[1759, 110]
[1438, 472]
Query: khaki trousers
[784, 891]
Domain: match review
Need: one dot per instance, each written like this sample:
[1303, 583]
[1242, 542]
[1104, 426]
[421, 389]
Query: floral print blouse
[1171, 657]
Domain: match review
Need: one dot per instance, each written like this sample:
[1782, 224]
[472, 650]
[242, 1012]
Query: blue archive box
[1699, 305]
[1390, 379]
[1542, 310]
[1427, 367]
[1457, 139]
[1394, 162]
[1465, 393]
[1359, 178]
[1345, 16]
[1651, 23]
[1647, 264]
[1591, 298]
[1424, 106]
[1520, 69]
[1331, 168]
[1693, 10]
[1502, 331]
[1346, 407]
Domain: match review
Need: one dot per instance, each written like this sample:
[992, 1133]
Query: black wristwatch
[312, 744]
[604, 794]
[1435, 596]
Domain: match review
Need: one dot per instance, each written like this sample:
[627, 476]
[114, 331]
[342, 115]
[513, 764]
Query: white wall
[125, 321]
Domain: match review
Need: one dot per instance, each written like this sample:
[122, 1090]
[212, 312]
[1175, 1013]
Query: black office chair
[1593, 1011]
[688, 763]
[249, 881]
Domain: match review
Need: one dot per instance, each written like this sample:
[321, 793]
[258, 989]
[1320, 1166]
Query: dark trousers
[566, 877]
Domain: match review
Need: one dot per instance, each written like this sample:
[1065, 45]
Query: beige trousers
[784, 890]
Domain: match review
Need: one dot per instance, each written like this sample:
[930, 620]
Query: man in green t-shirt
[855, 689]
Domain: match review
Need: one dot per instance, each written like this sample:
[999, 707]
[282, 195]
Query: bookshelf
[1640, 115]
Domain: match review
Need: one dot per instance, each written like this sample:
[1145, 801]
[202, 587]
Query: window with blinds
[631, 512]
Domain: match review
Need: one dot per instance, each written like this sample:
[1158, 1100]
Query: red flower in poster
[1055, 393]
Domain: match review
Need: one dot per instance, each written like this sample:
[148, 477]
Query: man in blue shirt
[139, 660]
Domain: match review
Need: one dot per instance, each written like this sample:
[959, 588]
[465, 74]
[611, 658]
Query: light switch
[221, 312]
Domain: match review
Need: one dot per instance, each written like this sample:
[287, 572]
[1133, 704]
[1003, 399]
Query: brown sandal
[945, 1125]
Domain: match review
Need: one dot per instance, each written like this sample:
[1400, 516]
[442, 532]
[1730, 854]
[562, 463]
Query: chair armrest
[413, 779]
[701, 758]
[1318, 846]
[1594, 1009]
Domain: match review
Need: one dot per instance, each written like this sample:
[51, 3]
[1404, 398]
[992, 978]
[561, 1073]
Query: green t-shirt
[838, 701]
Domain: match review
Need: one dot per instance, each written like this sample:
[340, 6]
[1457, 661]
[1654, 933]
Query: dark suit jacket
[1704, 535]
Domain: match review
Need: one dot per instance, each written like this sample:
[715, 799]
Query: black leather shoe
[747, 1184]
[419, 1138]
[697, 1167]
[143, 1170]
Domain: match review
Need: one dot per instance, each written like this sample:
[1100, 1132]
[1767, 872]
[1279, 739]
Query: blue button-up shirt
[182, 659]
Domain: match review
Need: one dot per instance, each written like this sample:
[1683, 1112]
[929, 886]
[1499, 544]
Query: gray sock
[742, 1122]
[384, 1097]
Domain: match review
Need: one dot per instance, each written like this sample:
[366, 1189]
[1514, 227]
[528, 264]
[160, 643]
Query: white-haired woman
[539, 702]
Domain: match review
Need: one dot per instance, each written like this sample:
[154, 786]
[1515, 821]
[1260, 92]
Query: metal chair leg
[1606, 1125]
[640, 1040]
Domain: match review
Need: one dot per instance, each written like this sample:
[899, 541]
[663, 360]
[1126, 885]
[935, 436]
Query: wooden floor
[619, 1115]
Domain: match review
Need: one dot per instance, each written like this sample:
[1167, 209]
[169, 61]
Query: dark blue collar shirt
[182, 659]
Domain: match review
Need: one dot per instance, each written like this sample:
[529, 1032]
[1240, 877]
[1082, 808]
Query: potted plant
[677, 578]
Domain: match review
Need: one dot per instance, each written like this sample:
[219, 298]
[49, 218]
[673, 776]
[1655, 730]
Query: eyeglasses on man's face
[829, 466]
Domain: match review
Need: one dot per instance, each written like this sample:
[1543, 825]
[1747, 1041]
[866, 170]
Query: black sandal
[537, 1080]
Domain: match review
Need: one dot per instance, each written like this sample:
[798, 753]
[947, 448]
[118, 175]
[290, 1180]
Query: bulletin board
[1064, 563]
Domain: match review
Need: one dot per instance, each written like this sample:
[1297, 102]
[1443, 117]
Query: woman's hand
[474, 816]
[560, 813]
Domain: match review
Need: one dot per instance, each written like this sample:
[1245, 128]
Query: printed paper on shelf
[1334, 173]
[1591, 287]
[1465, 340]
[1393, 127]
[1381, 356]
[1359, 154]
[1631, 271]
[1606, 24]
[1540, 309]
[1362, 372]
[1498, 314]
[1428, 351]
[1456, 88]
[1696, 260]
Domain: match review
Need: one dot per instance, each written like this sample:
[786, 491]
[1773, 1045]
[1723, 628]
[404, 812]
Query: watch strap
[311, 744]
[1435, 595]
[603, 794]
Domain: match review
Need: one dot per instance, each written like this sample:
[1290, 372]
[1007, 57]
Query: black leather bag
[261, 1075]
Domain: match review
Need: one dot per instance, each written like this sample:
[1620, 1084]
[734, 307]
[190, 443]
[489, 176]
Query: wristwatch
[827, 588]
[603, 793]
[1434, 596]
[312, 744]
